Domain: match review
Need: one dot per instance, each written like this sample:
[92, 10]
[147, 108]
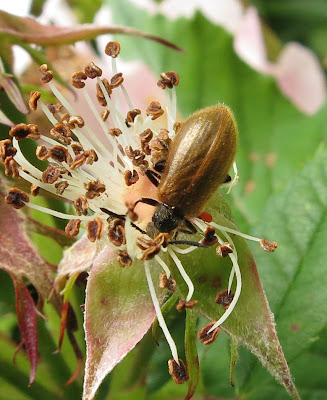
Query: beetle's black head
[167, 218]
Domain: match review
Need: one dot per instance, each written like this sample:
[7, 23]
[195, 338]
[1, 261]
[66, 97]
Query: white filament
[182, 271]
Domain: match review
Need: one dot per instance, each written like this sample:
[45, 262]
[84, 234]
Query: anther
[61, 186]
[34, 97]
[60, 154]
[167, 283]
[116, 232]
[78, 78]
[182, 304]
[61, 133]
[92, 71]
[116, 80]
[94, 229]
[72, 228]
[159, 150]
[42, 153]
[114, 132]
[177, 126]
[78, 161]
[104, 115]
[268, 246]
[168, 79]
[224, 298]
[155, 110]
[17, 198]
[131, 177]
[51, 174]
[100, 95]
[123, 258]
[224, 249]
[23, 131]
[131, 115]
[94, 189]
[11, 167]
[76, 120]
[178, 371]
[91, 156]
[210, 238]
[34, 190]
[81, 205]
[207, 337]
[47, 75]
[146, 137]
[77, 148]
[6, 149]
[112, 49]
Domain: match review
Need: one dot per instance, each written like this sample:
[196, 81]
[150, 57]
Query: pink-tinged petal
[301, 77]
[78, 258]
[249, 43]
[13, 93]
[26, 315]
[4, 120]
[119, 312]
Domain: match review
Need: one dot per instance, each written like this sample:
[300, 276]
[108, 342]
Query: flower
[110, 180]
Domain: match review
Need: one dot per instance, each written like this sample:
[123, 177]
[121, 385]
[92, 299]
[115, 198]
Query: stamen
[163, 265]
[160, 317]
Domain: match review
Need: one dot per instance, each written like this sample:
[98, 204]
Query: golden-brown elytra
[198, 162]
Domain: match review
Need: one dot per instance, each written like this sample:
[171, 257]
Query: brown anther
[16, 198]
[150, 247]
[131, 115]
[11, 167]
[72, 228]
[145, 138]
[76, 120]
[47, 75]
[112, 49]
[92, 71]
[81, 205]
[94, 229]
[34, 97]
[224, 249]
[77, 148]
[168, 79]
[177, 126]
[60, 154]
[78, 78]
[78, 161]
[178, 371]
[130, 211]
[144, 243]
[94, 189]
[23, 131]
[116, 80]
[207, 337]
[42, 153]
[268, 246]
[186, 304]
[6, 149]
[155, 110]
[137, 156]
[61, 133]
[167, 283]
[51, 108]
[123, 258]
[159, 150]
[224, 298]
[61, 186]
[51, 174]
[100, 94]
[91, 156]
[162, 239]
[131, 177]
[104, 115]
[114, 132]
[34, 190]
[210, 237]
[58, 107]
[116, 232]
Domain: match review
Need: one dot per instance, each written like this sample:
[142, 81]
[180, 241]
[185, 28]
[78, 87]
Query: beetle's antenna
[160, 317]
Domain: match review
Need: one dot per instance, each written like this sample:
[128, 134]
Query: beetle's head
[167, 218]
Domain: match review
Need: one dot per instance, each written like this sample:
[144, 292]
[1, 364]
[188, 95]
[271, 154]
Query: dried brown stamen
[124, 259]
[100, 94]
[224, 298]
[42, 153]
[77, 148]
[182, 304]
[11, 167]
[131, 115]
[155, 110]
[59, 153]
[34, 190]
[168, 79]
[51, 174]
[47, 75]
[61, 186]
[178, 372]
[94, 189]
[78, 78]
[167, 283]
[61, 133]
[23, 131]
[72, 228]
[114, 132]
[6, 149]
[116, 80]
[207, 337]
[17, 198]
[112, 49]
[81, 205]
[146, 138]
[116, 232]
[104, 115]
[76, 120]
[131, 177]
[137, 156]
[92, 71]
[224, 249]
[210, 237]
[159, 150]
[268, 246]
[34, 97]
[78, 161]
[177, 126]
[94, 229]
[91, 156]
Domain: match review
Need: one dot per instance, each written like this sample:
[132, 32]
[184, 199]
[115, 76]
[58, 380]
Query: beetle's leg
[191, 228]
[196, 244]
[146, 200]
[153, 177]
[113, 214]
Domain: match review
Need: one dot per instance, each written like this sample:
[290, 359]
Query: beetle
[198, 162]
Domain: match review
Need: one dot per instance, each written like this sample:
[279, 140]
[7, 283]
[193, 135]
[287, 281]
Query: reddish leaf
[119, 312]
[29, 30]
